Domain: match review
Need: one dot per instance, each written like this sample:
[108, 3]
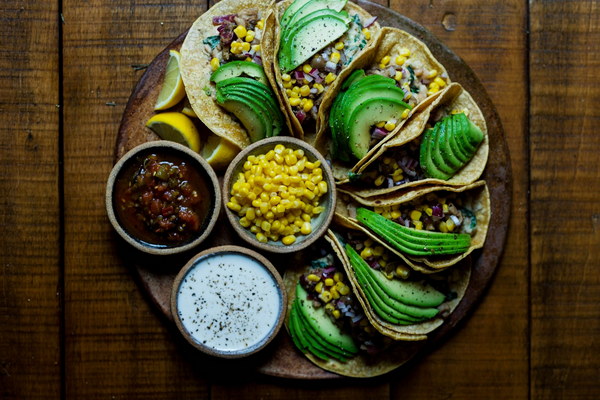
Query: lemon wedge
[172, 91]
[219, 152]
[187, 109]
[176, 127]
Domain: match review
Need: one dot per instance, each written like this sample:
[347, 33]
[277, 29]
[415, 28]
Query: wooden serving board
[281, 359]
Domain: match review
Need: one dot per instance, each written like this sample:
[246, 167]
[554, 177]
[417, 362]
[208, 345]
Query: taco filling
[326, 318]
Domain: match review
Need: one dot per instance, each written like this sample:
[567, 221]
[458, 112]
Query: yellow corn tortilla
[360, 366]
[391, 42]
[274, 72]
[458, 280]
[477, 196]
[453, 97]
[196, 70]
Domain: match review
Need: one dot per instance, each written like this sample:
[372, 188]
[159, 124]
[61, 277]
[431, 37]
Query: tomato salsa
[161, 199]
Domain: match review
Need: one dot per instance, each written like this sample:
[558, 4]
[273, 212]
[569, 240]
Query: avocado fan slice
[319, 321]
[239, 68]
[313, 6]
[408, 292]
[456, 147]
[443, 158]
[302, 341]
[252, 118]
[391, 306]
[339, 147]
[412, 241]
[427, 165]
[290, 11]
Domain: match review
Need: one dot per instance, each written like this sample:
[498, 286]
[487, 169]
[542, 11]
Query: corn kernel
[244, 222]
[305, 90]
[379, 180]
[344, 290]
[398, 76]
[329, 282]
[215, 63]
[400, 60]
[246, 46]
[330, 78]
[389, 126]
[418, 225]
[286, 77]
[322, 187]
[319, 287]
[339, 45]
[405, 52]
[288, 240]
[385, 61]
[256, 48]
[249, 36]
[261, 237]
[381, 125]
[325, 296]
[440, 82]
[415, 215]
[308, 105]
[334, 292]
[405, 113]
[260, 24]
[367, 33]
[338, 277]
[294, 101]
[306, 228]
[334, 57]
[402, 271]
[240, 31]
[432, 73]
[366, 253]
[445, 208]
[336, 314]
[306, 68]
[450, 225]
[313, 278]
[429, 211]
[378, 251]
[233, 206]
[443, 227]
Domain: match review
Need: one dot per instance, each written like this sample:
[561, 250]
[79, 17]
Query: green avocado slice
[393, 307]
[317, 341]
[427, 164]
[239, 69]
[339, 147]
[253, 118]
[443, 147]
[309, 35]
[366, 115]
[453, 141]
[408, 292]
[320, 323]
[463, 130]
[355, 76]
[303, 341]
[290, 11]
[316, 5]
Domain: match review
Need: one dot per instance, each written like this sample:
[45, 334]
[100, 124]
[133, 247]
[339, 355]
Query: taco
[430, 229]
[221, 67]
[327, 323]
[399, 302]
[445, 143]
[314, 44]
[399, 79]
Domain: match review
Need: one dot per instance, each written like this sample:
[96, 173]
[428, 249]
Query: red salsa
[162, 200]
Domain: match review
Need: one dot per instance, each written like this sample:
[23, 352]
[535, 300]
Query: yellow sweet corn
[240, 31]
[215, 63]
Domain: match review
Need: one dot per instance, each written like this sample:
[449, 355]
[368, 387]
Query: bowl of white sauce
[228, 301]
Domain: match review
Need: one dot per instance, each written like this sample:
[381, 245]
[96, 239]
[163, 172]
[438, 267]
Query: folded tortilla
[196, 69]
[453, 98]
[476, 198]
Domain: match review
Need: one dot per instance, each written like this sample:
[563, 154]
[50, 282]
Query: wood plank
[565, 211]
[488, 357]
[117, 344]
[30, 352]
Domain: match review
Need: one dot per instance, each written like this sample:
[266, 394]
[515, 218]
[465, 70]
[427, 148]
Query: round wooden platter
[281, 359]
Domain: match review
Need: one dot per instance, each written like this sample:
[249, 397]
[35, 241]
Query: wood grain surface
[74, 323]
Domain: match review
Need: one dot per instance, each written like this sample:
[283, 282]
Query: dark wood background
[74, 323]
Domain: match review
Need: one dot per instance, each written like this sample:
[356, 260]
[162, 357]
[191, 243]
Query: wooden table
[74, 323]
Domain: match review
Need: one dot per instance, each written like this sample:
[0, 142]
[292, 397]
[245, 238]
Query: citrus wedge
[176, 127]
[187, 109]
[219, 152]
[172, 91]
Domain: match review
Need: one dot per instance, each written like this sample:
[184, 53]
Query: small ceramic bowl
[319, 223]
[163, 198]
[228, 301]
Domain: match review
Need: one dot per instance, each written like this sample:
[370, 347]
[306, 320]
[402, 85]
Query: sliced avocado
[437, 155]
[380, 308]
[368, 114]
[355, 76]
[427, 164]
[462, 132]
[455, 146]
[407, 292]
[323, 325]
[316, 5]
[290, 11]
[261, 93]
[240, 69]
[252, 118]
[301, 338]
[315, 341]
[339, 147]
[309, 35]
[445, 148]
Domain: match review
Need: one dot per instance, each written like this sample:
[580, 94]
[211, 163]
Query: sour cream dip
[228, 301]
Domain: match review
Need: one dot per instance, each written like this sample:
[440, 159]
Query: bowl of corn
[279, 194]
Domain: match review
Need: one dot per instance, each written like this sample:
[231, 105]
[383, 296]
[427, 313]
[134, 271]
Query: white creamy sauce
[228, 302]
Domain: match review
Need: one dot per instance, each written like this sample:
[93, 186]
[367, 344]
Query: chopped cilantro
[354, 177]
[212, 41]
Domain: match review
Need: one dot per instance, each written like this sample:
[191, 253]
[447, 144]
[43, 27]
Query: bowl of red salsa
[163, 198]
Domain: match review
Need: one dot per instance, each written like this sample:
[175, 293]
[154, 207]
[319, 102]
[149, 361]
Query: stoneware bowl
[319, 223]
[202, 177]
[228, 301]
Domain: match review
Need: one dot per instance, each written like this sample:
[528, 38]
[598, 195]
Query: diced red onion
[378, 134]
[437, 211]
[257, 60]
[298, 75]
[370, 22]
[300, 115]
[308, 78]
[328, 272]
[223, 18]
[315, 74]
